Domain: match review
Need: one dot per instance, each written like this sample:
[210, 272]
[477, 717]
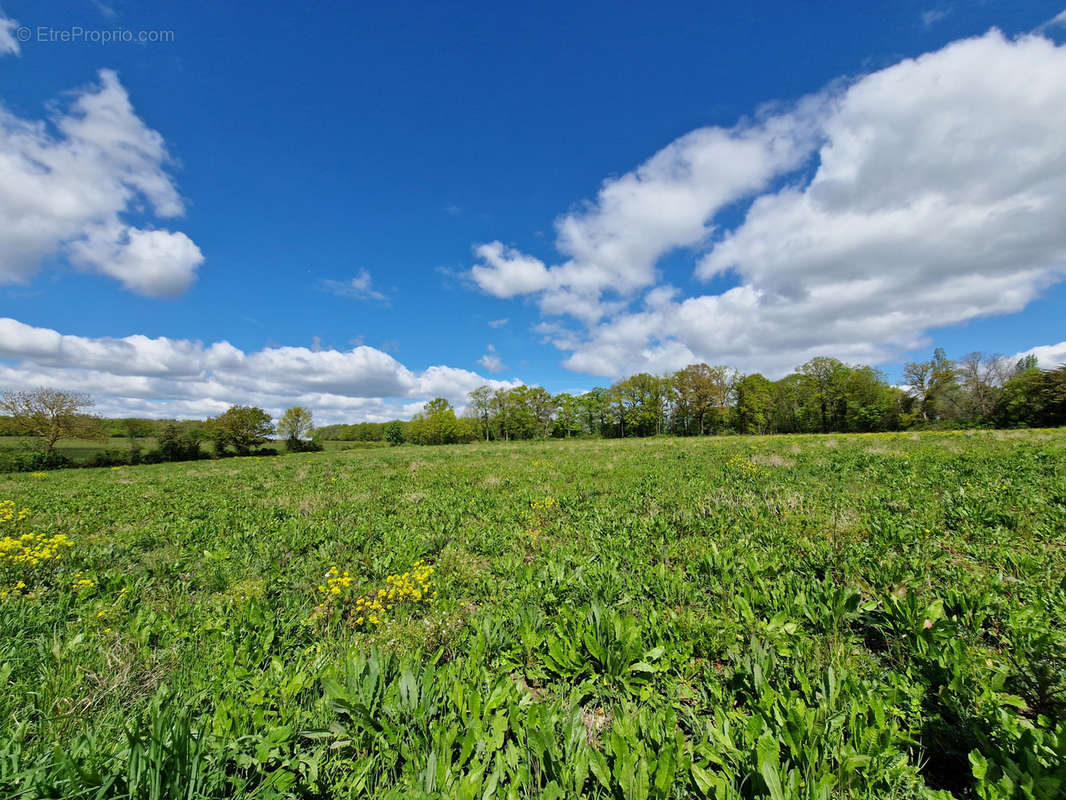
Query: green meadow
[846, 616]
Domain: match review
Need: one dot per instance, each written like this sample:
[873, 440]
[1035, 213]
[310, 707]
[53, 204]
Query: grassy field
[876, 616]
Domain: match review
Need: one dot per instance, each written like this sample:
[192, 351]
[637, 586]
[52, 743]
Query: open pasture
[865, 616]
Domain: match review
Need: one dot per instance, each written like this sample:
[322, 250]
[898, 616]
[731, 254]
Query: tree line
[824, 395]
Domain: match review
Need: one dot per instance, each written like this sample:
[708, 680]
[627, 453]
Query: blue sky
[319, 181]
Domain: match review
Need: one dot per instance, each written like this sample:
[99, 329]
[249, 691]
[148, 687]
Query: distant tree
[870, 404]
[295, 425]
[981, 377]
[788, 396]
[481, 404]
[1033, 398]
[933, 384]
[521, 410]
[135, 429]
[437, 424]
[394, 433]
[1025, 363]
[639, 404]
[543, 407]
[695, 391]
[240, 427]
[568, 415]
[754, 403]
[593, 406]
[51, 415]
[178, 444]
[824, 381]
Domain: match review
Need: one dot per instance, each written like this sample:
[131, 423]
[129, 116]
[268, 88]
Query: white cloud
[154, 263]
[1059, 20]
[162, 377]
[8, 43]
[498, 323]
[668, 202]
[491, 360]
[936, 194]
[1048, 356]
[63, 191]
[359, 287]
[933, 16]
[506, 272]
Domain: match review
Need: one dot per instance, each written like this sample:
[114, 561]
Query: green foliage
[754, 408]
[177, 444]
[437, 424]
[295, 426]
[863, 616]
[394, 433]
[240, 427]
[1032, 398]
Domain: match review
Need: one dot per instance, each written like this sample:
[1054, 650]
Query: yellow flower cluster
[38, 474]
[24, 555]
[9, 515]
[547, 504]
[82, 583]
[414, 586]
[32, 549]
[335, 582]
[409, 587]
[742, 465]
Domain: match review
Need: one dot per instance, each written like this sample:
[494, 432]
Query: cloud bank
[161, 377]
[926, 194]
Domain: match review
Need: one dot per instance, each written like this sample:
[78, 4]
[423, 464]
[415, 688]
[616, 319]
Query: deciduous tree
[296, 423]
[51, 414]
[240, 427]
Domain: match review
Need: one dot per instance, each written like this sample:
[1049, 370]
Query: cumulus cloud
[359, 288]
[8, 43]
[614, 244]
[65, 187]
[161, 377]
[491, 360]
[926, 194]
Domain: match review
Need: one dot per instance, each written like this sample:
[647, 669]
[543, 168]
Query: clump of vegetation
[241, 427]
[26, 559]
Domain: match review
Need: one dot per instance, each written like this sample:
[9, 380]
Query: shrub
[177, 445]
[394, 433]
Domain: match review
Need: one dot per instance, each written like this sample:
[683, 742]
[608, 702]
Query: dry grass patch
[596, 720]
[772, 460]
